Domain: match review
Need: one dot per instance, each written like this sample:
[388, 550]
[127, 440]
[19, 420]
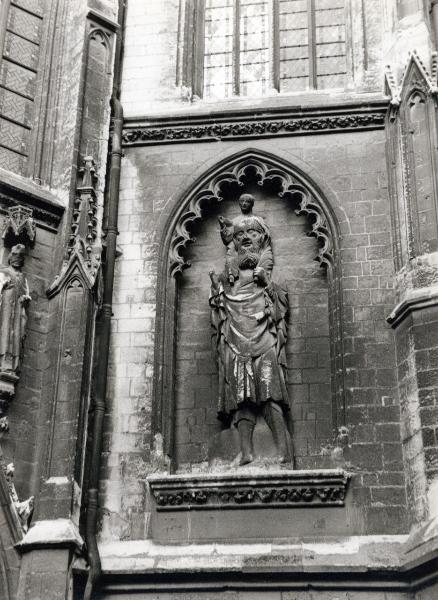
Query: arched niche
[285, 196]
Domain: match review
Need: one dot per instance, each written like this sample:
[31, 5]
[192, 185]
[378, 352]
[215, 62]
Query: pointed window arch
[306, 199]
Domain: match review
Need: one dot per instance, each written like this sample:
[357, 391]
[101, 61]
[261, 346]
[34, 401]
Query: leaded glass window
[253, 47]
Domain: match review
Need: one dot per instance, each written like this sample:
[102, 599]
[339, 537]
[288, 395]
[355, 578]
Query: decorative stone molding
[210, 129]
[264, 171]
[47, 210]
[325, 487]
[423, 80]
[82, 254]
[415, 300]
[19, 226]
[257, 568]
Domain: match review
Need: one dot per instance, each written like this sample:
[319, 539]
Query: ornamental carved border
[264, 171]
[214, 131]
[287, 490]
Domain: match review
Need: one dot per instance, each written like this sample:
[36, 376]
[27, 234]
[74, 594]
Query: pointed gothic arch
[307, 199]
[412, 139]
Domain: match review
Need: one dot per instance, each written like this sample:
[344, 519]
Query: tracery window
[253, 47]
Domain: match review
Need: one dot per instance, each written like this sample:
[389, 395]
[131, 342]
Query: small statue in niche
[14, 300]
[248, 313]
[24, 509]
[246, 203]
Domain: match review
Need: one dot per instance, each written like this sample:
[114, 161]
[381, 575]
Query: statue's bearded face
[248, 241]
[16, 257]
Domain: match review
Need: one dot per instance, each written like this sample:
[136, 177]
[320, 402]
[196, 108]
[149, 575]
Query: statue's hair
[247, 196]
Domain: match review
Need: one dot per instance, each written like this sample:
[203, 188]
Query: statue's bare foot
[246, 459]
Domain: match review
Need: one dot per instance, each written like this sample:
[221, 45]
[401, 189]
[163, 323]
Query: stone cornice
[14, 189]
[415, 300]
[254, 124]
[368, 563]
[325, 487]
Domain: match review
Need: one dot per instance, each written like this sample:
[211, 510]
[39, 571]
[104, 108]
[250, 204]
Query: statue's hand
[214, 281]
[226, 229]
[25, 299]
[260, 276]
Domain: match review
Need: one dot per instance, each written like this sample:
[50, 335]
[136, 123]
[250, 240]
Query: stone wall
[351, 168]
[160, 41]
[23, 444]
[288, 595]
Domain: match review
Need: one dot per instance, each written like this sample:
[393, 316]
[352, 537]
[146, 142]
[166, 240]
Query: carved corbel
[82, 253]
[393, 91]
[19, 227]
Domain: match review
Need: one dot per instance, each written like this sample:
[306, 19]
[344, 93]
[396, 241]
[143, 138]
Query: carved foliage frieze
[264, 171]
[288, 489]
[249, 128]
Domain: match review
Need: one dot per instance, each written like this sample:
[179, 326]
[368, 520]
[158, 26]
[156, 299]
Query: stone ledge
[51, 533]
[343, 554]
[237, 490]
[422, 545]
[415, 300]
[14, 189]
[241, 124]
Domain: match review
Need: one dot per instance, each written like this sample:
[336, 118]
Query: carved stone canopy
[19, 227]
[289, 184]
[84, 248]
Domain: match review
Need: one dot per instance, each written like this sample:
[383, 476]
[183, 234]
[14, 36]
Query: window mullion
[313, 83]
[236, 47]
[274, 15]
[198, 48]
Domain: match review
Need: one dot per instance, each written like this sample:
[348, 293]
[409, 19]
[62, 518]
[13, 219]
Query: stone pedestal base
[243, 504]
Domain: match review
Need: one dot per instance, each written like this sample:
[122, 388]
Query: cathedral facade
[219, 300]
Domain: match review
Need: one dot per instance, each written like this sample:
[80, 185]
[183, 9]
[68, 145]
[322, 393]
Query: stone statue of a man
[14, 299]
[249, 332]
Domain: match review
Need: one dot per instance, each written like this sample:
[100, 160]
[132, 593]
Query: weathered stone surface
[249, 488]
[363, 394]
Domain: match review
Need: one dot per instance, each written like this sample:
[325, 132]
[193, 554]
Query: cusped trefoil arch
[289, 184]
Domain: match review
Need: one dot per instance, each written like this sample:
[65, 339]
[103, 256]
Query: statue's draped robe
[249, 334]
[13, 288]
